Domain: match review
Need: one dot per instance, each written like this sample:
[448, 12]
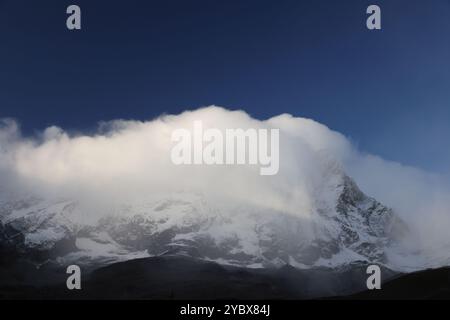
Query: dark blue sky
[387, 90]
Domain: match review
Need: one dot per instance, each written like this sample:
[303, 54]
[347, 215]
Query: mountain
[341, 226]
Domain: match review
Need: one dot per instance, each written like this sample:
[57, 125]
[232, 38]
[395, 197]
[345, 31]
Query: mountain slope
[176, 277]
[342, 226]
[425, 284]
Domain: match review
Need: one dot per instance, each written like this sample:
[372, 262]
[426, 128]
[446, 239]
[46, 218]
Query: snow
[263, 237]
[343, 257]
[91, 250]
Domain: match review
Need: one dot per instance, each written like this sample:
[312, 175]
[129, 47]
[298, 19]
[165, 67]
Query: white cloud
[131, 159]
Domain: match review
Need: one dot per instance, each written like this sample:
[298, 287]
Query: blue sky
[388, 90]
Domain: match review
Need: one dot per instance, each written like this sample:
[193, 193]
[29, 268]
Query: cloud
[128, 160]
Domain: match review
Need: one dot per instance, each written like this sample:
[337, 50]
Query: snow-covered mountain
[343, 226]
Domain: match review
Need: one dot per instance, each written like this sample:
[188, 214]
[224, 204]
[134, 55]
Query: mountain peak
[344, 226]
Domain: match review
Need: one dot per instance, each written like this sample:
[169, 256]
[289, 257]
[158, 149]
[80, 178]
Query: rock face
[36, 229]
[343, 226]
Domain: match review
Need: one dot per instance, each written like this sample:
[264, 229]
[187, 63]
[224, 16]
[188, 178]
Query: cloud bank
[128, 160]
